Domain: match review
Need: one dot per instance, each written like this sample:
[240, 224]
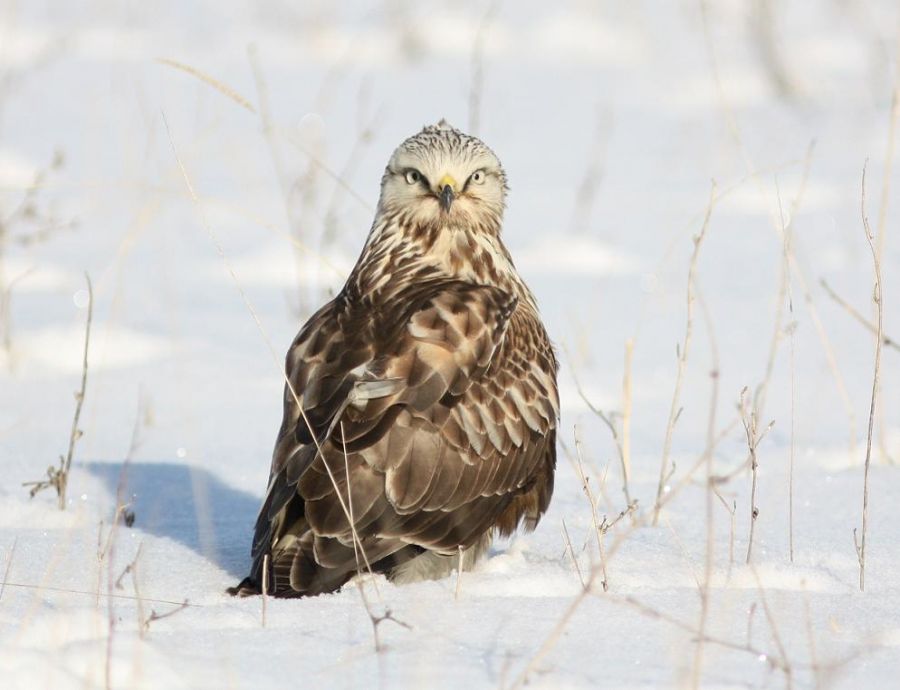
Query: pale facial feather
[474, 203]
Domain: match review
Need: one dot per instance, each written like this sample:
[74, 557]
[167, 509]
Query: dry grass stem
[132, 569]
[585, 487]
[9, 561]
[682, 352]
[889, 156]
[768, 44]
[785, 289]
[376, 621]
[860, 543]
[595, 573]
[785, 664]
[66, 590]
[154, 616]
[882, 217]
[685, 554]
[586, 194]
[459, 572]
[772, 660]
[224, 89]
[476, 89]
[754, 436]
[811, 639]
[357, 544]
[364, 137]
[787, 234]
[296, 220]
[798, 272]
[571, 552]
[276, 359]
[626, 410]
[550, 641]
[886, 340]
[607, 420]
[732, 513]
[58, 477]
[265, 589]
[697, 666]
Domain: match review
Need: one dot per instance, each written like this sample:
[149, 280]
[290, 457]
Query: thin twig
[459, 571]
[811, 638]
[882, 212]
[606, 419]
[770, 618]
[799, 274]
[749, 648]
[132, 569]
[211, 81]
[76, 433]
[265, 589]
[697, 667]
[732, 513]
[276, 359]
[587, 490]
[675, 408]
[58, 478]
[626, 414]
[877, 296]
[586, 193]
[763, 26]
[787, 234]
[557, 631]
[12, 552]
[378, 620]
[571, 553]
[477, 86]
[850, 309]
[751, 430]
[65, 590]
[154, 616]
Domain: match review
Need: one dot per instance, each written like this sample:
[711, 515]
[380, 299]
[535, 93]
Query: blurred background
[612, 119]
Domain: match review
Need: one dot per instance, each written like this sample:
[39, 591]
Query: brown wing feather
[436, 424]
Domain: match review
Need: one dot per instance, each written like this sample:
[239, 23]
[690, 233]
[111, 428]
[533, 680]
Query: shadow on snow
[188, 505]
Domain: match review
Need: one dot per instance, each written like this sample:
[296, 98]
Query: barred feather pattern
[421, 412]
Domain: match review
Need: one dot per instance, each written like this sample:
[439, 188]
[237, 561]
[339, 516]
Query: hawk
[421, 404]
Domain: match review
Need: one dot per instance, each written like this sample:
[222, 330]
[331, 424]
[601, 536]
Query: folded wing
[408, 431]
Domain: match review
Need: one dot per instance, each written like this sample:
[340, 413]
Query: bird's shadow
[188, 505]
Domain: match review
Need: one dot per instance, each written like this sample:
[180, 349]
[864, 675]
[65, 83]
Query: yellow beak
[447, 181]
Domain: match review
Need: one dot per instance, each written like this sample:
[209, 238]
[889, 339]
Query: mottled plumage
[427, 387]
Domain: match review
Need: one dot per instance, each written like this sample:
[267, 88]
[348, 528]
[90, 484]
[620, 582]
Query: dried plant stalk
[860, 543]
[675, 408]
[58, 477]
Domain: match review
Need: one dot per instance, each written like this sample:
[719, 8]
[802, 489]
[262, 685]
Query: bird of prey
[420, 405]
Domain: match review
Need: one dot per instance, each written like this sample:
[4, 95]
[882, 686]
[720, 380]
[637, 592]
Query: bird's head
[442, 176]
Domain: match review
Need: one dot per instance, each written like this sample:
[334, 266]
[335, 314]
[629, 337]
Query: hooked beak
[447, 195]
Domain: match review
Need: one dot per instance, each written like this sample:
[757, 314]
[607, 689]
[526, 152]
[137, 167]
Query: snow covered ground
[611, 120]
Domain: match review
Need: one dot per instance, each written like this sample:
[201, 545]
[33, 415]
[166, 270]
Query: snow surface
[610, 124]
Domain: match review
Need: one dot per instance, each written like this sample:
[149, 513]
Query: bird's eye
[477, 177]
[413, 176]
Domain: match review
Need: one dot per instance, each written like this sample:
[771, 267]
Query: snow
[184, 389]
